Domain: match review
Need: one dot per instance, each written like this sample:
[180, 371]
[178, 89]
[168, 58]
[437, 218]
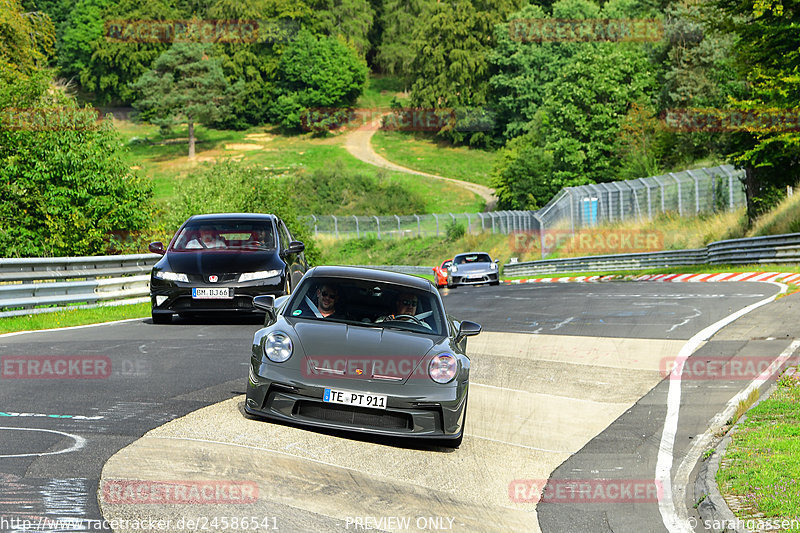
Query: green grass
[762, 463]
[419, 151]
[73, 317]
[380, 93]
[168, 165]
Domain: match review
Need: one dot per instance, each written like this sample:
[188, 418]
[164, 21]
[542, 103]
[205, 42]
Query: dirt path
[358, 143]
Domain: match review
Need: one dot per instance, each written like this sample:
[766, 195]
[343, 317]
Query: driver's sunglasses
[410, 303]
[326, 294]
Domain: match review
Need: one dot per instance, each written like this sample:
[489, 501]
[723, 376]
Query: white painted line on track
[675, 518]
[13, 333]
[701, 442]
[79, 443]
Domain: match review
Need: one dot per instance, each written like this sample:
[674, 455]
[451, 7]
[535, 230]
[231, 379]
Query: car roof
[215, 217]
[370, 274]
[471, 253]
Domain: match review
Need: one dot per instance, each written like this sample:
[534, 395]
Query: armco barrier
[754, 250]
[32, 282]
[26, 284]
[609, 263]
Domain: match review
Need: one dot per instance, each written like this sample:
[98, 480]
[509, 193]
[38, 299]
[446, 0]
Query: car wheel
[494, 282]
[161, 318]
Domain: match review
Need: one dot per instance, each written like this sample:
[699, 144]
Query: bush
[233, 187]
[64, 188]
[339, 191]
[455, 231]
[316, 73]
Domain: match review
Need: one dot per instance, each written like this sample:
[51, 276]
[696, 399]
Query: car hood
[344, 351]
[470, 268]
[207, 262]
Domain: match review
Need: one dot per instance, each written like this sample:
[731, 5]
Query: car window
[219, 236]
[368, 304]
[285, 236]
[473, 258]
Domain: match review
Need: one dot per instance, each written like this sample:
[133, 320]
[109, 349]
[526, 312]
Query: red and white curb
[783, 277]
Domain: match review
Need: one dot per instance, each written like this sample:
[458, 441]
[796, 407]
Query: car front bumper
[176, 297]
[473, 278]
[413, 410]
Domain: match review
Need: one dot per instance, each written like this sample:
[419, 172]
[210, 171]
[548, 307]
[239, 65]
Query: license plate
[204, 293]
[360, 399]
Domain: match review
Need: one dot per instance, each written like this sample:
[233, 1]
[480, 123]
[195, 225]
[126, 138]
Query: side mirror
[157, 248]
[468, 329]
[267, 304]
[295, 247]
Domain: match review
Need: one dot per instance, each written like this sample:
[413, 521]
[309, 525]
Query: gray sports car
[362, 350]
[473, 268]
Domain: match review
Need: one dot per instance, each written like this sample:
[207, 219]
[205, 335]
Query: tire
[494, 282]
[161, 318]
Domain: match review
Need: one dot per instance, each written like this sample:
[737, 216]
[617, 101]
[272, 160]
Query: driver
[405, 306]
[207, 239]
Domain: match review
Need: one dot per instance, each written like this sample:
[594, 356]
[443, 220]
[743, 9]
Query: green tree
[185, 85]
[316, 72]
[349, 20]
[64, 187]
[83, 26]
[450, 68]
[239, 188]
[26, 39]
[254, 59]
[118, 61]
[767, 56]
[399, 20]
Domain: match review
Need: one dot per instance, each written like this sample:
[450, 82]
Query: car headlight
[494, 266]
[278, 347]
[262, 274]
[454, 269]
[171, 276]
[442, 368]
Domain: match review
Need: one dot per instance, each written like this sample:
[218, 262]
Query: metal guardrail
[602, 263]
[403, 269]
[28, 283]
[754, 250]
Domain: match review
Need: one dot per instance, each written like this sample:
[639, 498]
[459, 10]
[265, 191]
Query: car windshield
[367, 303]
[473, 258]
[240, 236]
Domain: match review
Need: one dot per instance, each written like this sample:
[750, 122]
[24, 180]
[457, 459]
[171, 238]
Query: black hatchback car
[221, 262]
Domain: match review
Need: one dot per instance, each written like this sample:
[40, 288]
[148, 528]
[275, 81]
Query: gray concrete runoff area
[570, 386]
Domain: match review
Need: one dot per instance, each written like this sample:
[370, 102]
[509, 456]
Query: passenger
[207, 239]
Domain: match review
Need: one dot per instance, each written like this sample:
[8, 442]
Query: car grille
[343, 414]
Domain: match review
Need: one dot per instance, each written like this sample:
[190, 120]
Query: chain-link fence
[397, 226]
[687, 193]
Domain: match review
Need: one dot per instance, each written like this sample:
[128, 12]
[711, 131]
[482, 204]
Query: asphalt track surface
[567, 384]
